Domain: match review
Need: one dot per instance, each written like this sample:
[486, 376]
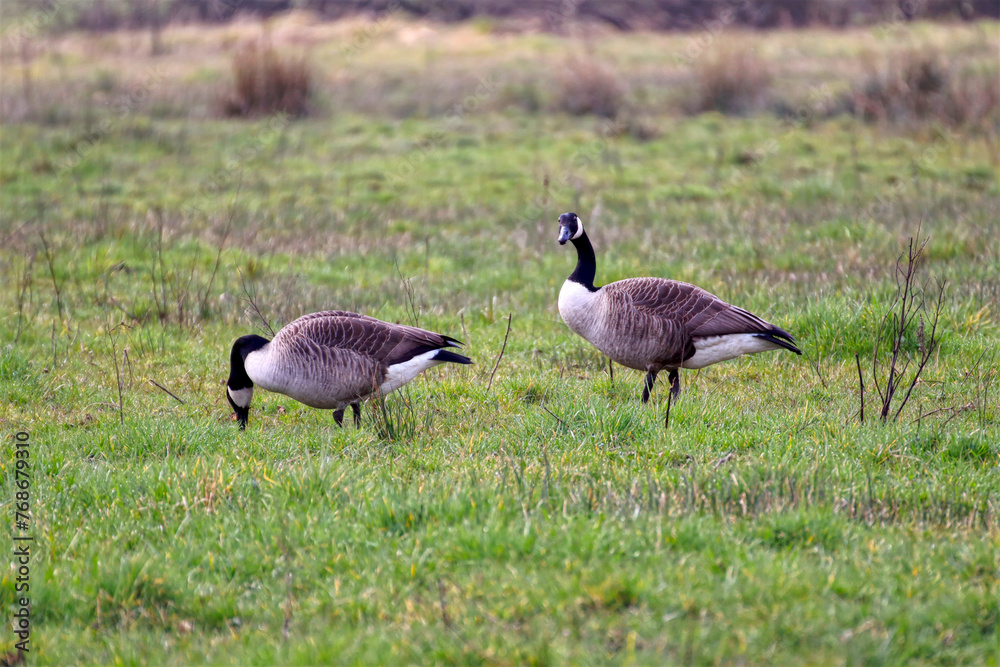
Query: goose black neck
[238, 378]
[586, 263]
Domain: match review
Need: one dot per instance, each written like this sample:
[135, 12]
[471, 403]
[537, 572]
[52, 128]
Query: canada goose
[333, 359]
[655, 324]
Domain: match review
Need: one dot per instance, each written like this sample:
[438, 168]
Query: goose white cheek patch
[579, 229]
[241, 397]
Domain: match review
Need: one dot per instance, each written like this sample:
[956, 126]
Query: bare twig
[251, 299]
[125, 311]
[24, 290]
[52, 272]
[903, 319]
[510, 317]
[726, 458]
[222, 244]
[286, 625]
[161, 387]
[408, 288]
[927, 344]
[127, 360]
[953, 409]
[55, 345]
[159, 286]
[444, 604]
[118, 375]
[819, 373]
[861, 384]
[908, 297]
[554, 416]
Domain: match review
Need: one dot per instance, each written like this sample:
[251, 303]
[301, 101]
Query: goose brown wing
[652, 311]
[343, 374]
[383, 342]
[698, 312]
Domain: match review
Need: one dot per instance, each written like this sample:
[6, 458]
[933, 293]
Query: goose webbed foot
[650, 379]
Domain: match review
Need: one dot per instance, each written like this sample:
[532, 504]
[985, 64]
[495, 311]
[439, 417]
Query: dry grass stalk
[732, 80]
[921, 84]
[587, 87]
[265, 83]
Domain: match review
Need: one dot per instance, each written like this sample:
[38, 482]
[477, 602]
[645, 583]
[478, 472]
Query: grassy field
[549, 518]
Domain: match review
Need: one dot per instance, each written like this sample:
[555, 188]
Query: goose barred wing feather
[699, 313]
[341, 374]
[382, 342]
[646, 329]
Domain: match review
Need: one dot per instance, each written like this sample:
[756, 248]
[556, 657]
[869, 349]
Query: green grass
[552, 518]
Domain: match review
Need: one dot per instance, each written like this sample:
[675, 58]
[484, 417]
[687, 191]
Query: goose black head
[570, 227]
[239, 386]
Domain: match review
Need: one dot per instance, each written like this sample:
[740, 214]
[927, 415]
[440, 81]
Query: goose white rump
[712, 350]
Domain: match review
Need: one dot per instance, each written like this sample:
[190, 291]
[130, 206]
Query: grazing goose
[655, 324]
[333, 359]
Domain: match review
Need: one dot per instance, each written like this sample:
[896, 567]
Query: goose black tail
[446, 355]
[780, 338]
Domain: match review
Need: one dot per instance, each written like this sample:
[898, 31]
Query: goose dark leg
[675, 389]
[670, 398]
[675, 383]
[357, 414]
[338, 416]
[650, 379]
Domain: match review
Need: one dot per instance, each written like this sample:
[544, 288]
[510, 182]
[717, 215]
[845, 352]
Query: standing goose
[655, 324]
[333, 359]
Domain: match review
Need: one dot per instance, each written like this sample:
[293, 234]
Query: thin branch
[408, 288]
[52, 272]
[930, 345]
[554, 416]
[118, 375]
[222, 244]
[24, 290]
[728, 456]
[161, 387]
[510, 317]
[251, 299]
[861, 383]
[816, 367]
[954, 409]
[444, 604]
[129, 314]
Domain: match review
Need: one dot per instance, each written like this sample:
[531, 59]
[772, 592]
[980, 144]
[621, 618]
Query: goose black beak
[564, 234]
[243, 416]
